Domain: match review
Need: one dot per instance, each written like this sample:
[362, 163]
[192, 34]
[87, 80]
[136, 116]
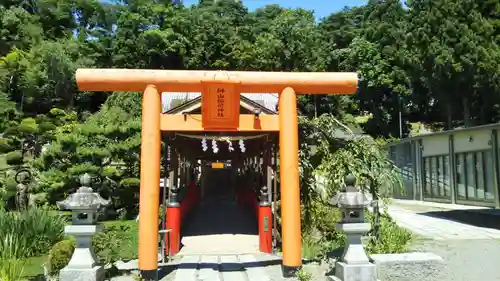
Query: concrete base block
[83, 274]
[406, 258]
[354, 272]
[410, 266]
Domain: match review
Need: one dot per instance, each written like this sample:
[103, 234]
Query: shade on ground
[220, 227]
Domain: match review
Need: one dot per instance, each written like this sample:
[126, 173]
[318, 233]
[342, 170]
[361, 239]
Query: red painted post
[174, 223]
[265, 232]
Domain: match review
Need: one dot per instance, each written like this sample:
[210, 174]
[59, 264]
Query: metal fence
[401, 155]
[459, 166]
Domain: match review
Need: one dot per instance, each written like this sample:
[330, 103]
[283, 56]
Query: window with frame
[475, 175]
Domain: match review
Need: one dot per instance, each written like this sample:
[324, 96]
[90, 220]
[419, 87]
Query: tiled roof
[268, 100]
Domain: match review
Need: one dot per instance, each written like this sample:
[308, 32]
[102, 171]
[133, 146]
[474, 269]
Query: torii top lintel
[136, 80]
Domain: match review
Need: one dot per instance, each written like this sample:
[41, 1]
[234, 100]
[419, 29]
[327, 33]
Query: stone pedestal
[83, 265]
[354, 251]
[354, 272]
[79, 274]
[355, 265]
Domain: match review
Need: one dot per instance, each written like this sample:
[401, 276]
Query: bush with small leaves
[392, 238]
[303, 275]
[108, 242]
[60, 255]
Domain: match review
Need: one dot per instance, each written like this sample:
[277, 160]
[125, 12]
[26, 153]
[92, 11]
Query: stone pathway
[245, 267]
[220, 228]
[221, 243]
[427, 222]
[220, 268]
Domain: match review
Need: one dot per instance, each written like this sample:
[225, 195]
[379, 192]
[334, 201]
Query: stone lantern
[354, 265]
[85, 205]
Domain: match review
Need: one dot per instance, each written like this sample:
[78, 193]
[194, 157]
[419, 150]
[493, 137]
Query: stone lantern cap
[351, 198]
[84, 198]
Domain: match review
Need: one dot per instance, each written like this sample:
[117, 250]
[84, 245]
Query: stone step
[220, 268]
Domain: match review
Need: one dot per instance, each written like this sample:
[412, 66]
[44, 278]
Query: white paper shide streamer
[204, 146]
[214, 146]
[242, 145]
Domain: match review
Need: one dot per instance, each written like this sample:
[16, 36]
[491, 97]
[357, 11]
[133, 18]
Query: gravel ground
[464, 260]
[316, 270]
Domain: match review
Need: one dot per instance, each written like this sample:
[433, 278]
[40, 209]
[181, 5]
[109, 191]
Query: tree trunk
[449, 122]
[466, 107]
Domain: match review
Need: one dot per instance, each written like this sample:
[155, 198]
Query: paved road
[432, 225]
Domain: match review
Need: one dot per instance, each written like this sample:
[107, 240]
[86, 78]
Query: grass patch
[25, 238]
[30, 233]
[33, 266]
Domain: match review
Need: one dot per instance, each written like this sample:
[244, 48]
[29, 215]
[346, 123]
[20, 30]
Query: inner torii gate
[220, 113]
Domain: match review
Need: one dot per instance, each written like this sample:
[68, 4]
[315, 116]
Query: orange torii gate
[211, 83]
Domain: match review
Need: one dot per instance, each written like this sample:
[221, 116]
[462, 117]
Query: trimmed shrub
[14, 158]
[5, 145]
[60, 255]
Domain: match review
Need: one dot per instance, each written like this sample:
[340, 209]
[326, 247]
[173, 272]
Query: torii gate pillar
[289, 183]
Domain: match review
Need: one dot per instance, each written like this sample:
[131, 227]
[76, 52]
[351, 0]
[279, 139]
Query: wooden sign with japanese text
[220, 107]
[217, 165]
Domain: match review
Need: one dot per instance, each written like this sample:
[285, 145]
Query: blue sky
[322, 8]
